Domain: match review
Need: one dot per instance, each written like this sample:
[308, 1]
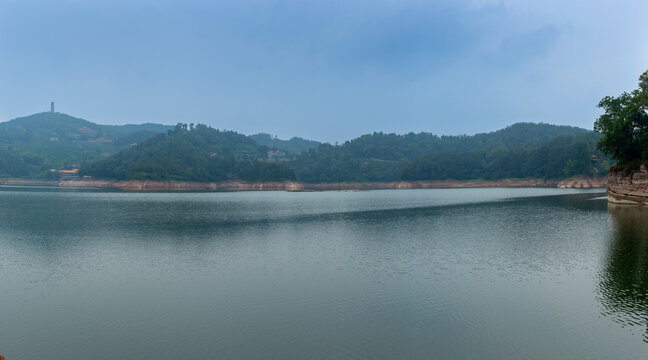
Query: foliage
[562, 157]
[295, 145]
[190, 153]
[624, 125]
[520, 150]
[199, 153]
[33, 145]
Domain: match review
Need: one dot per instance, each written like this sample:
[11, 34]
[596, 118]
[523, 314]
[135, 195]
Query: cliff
[628, 186]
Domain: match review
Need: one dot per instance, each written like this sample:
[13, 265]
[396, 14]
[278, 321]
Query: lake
[385, 274]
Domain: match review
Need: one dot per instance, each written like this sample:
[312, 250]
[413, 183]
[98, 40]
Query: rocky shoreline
[628, 186]
[152, 185]
[584, 182]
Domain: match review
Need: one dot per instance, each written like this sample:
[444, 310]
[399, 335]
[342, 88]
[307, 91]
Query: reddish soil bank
[150, 185]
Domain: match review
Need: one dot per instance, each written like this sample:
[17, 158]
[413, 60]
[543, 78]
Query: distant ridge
[295, 145]
[31, 146]
[198, 154]
[42, 126]
[202, 154]
[518, 150]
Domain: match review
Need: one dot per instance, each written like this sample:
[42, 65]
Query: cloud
[329, 70]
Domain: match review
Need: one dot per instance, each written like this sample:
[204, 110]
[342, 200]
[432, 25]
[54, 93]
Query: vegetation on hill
[135, 128]
[562, 157]
[624, 125]
[190, 153]
[294, 146]
[33, 145]
[520, 150]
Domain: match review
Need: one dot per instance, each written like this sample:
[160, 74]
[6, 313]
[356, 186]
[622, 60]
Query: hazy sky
[328, 70]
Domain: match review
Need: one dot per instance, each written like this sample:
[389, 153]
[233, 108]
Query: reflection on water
[444, 274]
[624, 279]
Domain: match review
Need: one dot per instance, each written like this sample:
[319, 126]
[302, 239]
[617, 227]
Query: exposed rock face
[583, 182]
[628, 187]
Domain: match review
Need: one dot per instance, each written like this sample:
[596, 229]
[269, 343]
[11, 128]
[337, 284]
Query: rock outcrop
[583, 182]
[628, 186]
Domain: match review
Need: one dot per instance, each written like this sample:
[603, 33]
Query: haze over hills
[42, 127]
[204, 154]
[295, 145]
[199, 154]
[33, 145]
[425, 156]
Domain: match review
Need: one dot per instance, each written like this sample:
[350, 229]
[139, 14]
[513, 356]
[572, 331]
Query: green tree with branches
[624, 125]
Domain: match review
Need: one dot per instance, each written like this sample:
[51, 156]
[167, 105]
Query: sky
[325, 70]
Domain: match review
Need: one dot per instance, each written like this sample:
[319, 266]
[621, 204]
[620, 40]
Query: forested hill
[206, 154]
[31, 146]
[294, 146]
[42, 127]
[190, 153]
[520, 150]
[410, 146]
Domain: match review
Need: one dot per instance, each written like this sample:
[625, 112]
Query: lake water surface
[386, 274]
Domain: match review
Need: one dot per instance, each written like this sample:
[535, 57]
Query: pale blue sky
[327, 70]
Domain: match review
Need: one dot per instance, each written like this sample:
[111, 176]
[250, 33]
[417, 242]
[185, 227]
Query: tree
[624, 125]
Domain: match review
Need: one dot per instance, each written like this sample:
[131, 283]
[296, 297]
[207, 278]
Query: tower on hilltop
[52, 107]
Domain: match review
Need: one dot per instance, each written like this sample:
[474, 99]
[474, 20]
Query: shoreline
[628, 188]
[579, 182]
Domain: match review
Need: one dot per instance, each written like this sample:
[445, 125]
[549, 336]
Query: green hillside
[561, 157]
[517, 151]
[206, 154]
[294, 146]
[192, 154]
[31, 146]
